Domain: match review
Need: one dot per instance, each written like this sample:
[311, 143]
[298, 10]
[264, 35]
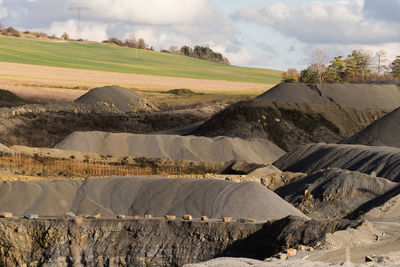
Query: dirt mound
[383, 132]
[123, 99]
[357, 96]
[375, 161]
[334, 193]
[9, 99]
[173, 146]
[288, 124]
[140, 196]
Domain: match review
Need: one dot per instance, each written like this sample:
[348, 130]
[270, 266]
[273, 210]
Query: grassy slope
[102, 57]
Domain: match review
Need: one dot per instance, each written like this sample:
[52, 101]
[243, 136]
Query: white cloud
[237, 55]
[90, 31]
[161, 23]
[3, 10]
[338, 22]
[153, 12]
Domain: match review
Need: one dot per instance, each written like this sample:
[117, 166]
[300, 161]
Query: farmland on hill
[111, 58]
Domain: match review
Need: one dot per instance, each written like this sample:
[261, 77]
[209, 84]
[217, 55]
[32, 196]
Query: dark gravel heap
[123, 99]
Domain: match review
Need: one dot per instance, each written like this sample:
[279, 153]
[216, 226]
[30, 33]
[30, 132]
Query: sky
[275, 34]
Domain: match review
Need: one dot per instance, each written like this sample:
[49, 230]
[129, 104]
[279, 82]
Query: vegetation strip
[42, 166]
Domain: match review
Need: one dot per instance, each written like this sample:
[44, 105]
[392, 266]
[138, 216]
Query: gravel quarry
[292, 177]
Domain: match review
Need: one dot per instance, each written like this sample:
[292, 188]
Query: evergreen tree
[396, 67]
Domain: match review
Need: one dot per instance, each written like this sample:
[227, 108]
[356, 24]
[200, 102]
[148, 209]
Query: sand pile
[172, 146]
[376, 161]
[334, 193]
[357, 96]
[383, 132]
[123, 99]
[141, 195]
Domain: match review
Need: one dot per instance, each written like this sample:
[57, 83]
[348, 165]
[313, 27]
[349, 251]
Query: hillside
[111, 58]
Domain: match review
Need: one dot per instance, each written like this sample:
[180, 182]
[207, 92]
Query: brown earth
[40, 83]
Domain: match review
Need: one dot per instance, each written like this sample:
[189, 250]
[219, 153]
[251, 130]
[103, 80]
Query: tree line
[129, 42]
[200, 52]
[359, 66]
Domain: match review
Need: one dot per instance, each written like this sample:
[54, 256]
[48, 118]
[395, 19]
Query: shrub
[65, 36]
[11, 32]
[291, 76]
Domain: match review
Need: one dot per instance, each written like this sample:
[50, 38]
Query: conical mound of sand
[335, 192]
[357, 96]
[373, 160]
[140, 196]
[123, 99]
[383, 132]
[173, 146]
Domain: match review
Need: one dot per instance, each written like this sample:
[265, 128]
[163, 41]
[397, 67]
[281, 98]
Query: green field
[105, 57]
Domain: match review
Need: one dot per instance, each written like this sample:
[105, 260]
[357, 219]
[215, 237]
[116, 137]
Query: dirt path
[389, 243]
[44, 82]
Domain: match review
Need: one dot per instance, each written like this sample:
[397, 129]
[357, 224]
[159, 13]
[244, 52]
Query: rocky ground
[148, 242]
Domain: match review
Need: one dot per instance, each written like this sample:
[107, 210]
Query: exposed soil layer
[383, 132]
[70, 164]
[44, 126]
[150, 242]
[334, 193]
[375, 161]
[288, 124]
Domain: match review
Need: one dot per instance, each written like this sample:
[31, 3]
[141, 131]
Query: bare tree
[319, 60]
[173, 49]
[141, 44]
[381, 60]
[369, 62]
[131, 41]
